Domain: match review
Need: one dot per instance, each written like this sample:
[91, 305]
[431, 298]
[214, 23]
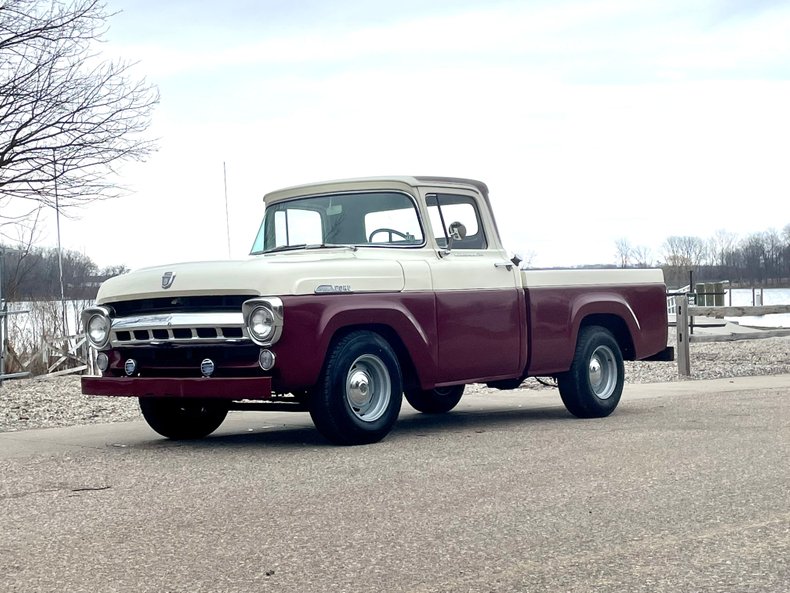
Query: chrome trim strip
[171, 322]
[178, 320]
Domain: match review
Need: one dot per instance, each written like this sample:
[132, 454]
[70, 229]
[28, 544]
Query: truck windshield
[370, 219]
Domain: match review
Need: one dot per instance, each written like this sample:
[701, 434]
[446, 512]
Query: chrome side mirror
[457, 231]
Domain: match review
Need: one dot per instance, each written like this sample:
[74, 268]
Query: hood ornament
[167, 279]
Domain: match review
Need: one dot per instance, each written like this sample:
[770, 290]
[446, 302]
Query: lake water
[771, 296]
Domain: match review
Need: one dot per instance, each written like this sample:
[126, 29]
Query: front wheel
[594, 384]
[435, 401]
[358, 397]
[178, 419]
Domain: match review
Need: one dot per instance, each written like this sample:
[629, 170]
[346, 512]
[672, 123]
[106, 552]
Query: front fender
[311, 322]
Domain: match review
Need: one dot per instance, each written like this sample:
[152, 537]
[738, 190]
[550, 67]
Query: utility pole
[60, 251]
[227, 218]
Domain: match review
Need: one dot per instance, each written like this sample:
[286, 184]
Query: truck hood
[265, 275]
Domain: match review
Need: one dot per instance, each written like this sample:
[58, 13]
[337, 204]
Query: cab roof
[374, 183]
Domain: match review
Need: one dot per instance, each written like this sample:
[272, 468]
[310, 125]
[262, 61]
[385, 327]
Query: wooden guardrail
[684, 311]
[62, 355]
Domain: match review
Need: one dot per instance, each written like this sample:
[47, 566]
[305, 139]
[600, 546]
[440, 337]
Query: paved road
[685, 488]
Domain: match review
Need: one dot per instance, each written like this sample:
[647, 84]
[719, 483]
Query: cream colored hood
[273, 275]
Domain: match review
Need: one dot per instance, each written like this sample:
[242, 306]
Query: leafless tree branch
[66, 116]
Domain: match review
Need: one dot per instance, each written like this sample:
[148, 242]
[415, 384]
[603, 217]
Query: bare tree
[684, 252]
[623, 251]
[641, 256]
[681, 255]
[67, 117]
[772, 244]
[753, 256]
[786, 252]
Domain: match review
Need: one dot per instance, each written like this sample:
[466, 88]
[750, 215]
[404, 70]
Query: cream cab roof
[374, 183]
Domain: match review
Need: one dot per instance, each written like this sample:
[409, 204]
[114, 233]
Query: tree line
[759, 259]
[34, 274]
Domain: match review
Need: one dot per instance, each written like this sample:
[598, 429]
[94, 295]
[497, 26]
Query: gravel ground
[45, 403]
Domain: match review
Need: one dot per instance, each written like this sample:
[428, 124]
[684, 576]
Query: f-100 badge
[329, 288]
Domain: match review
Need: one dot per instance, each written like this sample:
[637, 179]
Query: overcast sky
[590, 120]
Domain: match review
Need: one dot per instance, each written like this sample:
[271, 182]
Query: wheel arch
[409, 374]
[611, 311]
[617, 326]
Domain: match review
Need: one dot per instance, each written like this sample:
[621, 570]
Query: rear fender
[611, 311]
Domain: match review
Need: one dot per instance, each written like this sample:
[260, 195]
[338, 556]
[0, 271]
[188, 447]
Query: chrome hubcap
[368, 388]
[358, 388]
[602, 372]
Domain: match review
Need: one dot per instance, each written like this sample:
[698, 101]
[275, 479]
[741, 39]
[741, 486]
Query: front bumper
[259, 388]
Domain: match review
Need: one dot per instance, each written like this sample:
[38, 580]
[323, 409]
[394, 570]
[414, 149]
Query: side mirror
[516, 259]
[457, 231]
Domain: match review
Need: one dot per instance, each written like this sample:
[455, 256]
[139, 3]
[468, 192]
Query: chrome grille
[178, 328]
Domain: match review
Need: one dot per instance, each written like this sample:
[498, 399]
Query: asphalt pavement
[684, 488]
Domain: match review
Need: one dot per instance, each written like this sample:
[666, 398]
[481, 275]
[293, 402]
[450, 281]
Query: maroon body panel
[205, 387]
[556, 314]
[451, 337]
[311, 321]
[481, 334]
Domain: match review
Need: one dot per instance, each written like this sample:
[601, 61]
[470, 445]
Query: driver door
[480, 305]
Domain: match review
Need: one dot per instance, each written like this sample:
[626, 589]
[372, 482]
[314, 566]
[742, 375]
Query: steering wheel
[392, 232]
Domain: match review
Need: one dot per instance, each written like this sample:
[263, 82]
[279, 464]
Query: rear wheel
[594, 384]
[435, 401]
[358, 397]
[178, 419]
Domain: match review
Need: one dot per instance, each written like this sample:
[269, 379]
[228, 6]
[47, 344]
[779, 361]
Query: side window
[449, 211]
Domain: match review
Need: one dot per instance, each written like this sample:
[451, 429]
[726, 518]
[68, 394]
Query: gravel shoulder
[47, 403]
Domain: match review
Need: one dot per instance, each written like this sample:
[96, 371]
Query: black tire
[181, 419]
[435, 401]
[594, 384]
[358, 396]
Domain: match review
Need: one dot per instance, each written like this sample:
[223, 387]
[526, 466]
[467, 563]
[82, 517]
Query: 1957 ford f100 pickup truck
[357, 292]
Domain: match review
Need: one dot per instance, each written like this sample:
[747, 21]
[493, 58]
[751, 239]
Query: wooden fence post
[682, 327]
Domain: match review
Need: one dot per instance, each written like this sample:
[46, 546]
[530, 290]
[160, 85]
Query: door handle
[507, 265]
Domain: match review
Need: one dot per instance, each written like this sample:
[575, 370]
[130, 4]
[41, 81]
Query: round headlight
[262, 323]
[98, 330]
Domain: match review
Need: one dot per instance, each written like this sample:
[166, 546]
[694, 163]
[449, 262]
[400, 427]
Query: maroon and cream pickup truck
[358, 292]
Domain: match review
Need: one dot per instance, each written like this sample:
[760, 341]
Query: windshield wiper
[331, 245]
[306, 246]
[286, 247]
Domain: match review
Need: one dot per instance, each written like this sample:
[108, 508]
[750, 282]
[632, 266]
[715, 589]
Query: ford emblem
[167, 279]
